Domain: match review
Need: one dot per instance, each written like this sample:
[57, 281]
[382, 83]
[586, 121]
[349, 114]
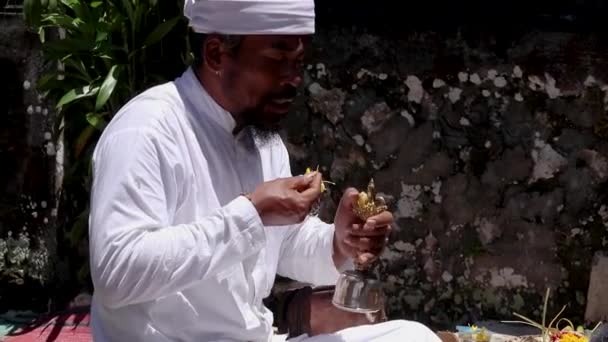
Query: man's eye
[275, 56]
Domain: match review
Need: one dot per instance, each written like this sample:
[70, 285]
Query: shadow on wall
[395, 17]
[13, 138]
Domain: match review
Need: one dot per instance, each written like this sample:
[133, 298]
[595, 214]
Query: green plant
[18, 258]
[100, 54]
[552, 332]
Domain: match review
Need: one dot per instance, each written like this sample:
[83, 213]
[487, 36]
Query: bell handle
[361, 267]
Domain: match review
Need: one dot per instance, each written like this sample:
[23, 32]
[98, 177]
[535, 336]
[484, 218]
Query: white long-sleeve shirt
[176, 253]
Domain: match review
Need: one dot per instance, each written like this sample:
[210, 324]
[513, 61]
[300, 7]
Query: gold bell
[359, 290]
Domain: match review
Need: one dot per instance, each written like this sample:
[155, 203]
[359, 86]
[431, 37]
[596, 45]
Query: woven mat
[494, 337]
[72, 326]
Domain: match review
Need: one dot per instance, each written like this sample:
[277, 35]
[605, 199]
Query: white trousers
[391, 331]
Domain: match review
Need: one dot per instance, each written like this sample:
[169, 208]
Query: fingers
[344, 214]
[348, 198]
[365, 258]
[300, 183]
[313, 191]
[368, 237]
[370, 229]
[365, 244]
[385, 218]
[304, 192]
[349, 250]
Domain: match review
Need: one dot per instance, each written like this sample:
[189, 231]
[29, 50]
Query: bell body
[359, 292]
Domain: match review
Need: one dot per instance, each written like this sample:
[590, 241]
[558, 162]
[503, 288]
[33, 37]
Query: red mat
[66, 327]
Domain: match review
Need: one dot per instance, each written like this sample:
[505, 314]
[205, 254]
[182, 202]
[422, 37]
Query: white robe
[176, 253]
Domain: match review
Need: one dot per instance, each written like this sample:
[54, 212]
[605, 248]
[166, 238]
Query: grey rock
[416, 148]
[389, 139]
[375, 117]
[572, 140]
[514, 165]
[596, 162]
[578, 188]
[583, 111]
[437, 166]
[327, 102]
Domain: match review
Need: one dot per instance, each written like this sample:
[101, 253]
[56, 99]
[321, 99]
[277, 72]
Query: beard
[264, 136]
[259, 128]
[264, 126]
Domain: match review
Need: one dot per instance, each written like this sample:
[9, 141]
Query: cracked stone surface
[496, 170]
[31, 166]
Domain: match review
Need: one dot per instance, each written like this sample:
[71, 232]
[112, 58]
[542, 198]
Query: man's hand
[362, 241]
[287, 200]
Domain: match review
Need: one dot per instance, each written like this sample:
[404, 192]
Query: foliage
[17, 258]
[552, 331]
[100, 54]
[473, 333]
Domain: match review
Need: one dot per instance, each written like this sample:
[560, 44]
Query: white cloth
[391, 331]
[175, 253]
[293, 17]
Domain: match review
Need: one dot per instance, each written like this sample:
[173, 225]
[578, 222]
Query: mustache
[285, 93]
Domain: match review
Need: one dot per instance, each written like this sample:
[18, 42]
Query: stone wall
[27, 172]
[492, 154]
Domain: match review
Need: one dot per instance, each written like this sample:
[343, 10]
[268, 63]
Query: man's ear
[213, 51]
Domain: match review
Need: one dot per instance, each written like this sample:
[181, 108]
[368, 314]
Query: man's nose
[294, 81]
[292, 77]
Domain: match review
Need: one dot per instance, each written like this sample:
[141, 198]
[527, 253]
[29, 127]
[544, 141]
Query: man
[194, 208]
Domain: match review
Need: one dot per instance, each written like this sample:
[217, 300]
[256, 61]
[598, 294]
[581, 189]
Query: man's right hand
[287, 201]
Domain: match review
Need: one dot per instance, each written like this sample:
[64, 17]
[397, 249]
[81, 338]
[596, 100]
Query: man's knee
[412, 328]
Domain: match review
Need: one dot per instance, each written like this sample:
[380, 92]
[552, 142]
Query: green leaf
[58, 125]
[97, 120]
[84, 273]
[96, 4]
[139, 16]
[69, 45]
[83, 140]
[80, 25]
[78, 65]
[62, 20]
[32, 11]
[74, 76]
[161, 31]
[76, 6]
[101, 36]
[107, 87]
[77, 93]
[106, 57]
[128, 7]
[71, 3]
[46, 79]
[41, 34]
[84, 13]
[79, 228]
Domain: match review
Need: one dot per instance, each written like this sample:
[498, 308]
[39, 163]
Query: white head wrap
[284, 17]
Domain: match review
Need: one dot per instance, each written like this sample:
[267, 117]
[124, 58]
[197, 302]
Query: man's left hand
[356, 239]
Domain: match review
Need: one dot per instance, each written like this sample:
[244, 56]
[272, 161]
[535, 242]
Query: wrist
[248, 196]
[254, 201]
[339, 258]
